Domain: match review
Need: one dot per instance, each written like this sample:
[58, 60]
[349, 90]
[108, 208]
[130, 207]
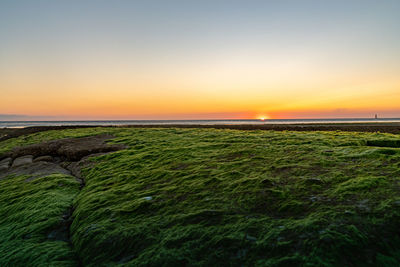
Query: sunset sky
[199, 59]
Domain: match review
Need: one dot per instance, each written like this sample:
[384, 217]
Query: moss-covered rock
[34, 226]
[202, 197]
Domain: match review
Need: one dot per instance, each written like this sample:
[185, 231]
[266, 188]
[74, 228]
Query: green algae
[31, 224]
[201, 197]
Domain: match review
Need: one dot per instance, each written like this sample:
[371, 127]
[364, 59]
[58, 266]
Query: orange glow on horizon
[199, 96]
[263, 117]
[197, 92]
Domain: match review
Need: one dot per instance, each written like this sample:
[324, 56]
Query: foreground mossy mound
[201, 197]
[34, 221]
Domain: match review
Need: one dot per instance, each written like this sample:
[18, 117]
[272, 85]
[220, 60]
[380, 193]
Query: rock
[6, 160]
[5, 164]
[35, 170]
[76, 167]
[44, 158]
[71, 149]
[22, 161]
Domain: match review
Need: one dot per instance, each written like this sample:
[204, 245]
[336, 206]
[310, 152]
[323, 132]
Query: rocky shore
[115, 196]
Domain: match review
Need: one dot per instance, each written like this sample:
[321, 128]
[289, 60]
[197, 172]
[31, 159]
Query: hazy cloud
[9, 117]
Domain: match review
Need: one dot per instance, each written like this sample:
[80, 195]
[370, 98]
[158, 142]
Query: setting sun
[263, 117]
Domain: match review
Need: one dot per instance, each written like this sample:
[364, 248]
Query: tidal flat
[200, 197]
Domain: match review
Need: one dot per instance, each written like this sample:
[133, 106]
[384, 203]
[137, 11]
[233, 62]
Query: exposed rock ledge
[63, 156]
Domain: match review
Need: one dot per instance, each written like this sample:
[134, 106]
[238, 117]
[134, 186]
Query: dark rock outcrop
[69, 149]
[22, 160]
[35, 170]
[5, 164]
[64, 156]
[44, 158]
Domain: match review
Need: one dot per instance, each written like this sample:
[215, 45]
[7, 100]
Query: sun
[263, 118]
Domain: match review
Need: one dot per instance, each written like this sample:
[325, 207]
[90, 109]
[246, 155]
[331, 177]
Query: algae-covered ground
[208, 197]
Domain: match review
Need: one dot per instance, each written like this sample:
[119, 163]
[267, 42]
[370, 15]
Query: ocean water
[21, 124]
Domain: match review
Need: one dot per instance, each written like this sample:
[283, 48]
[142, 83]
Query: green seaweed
[202, 197]
[32, 229]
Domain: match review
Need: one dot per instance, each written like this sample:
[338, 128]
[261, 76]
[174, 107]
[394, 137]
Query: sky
[209, 59]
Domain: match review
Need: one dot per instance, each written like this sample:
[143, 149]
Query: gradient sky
[199, 59]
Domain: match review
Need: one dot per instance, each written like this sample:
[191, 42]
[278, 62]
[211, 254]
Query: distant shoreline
[385, 127]
[198, 123]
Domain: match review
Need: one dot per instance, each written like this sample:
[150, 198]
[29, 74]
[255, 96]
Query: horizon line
[227, 119]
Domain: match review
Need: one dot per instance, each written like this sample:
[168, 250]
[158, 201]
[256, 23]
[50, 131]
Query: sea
[22, 124]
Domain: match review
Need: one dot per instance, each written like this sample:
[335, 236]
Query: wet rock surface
[23, 160]
[34, 169]
[7, 133]
[44, 158]
[5, 164]
[64, 156]
[40, 169]
[70, 149]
